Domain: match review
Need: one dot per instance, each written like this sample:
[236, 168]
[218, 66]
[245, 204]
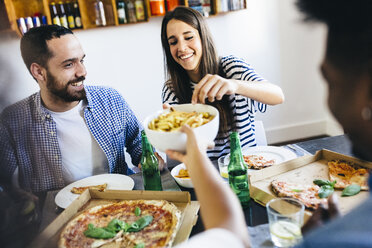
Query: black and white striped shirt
[243, 108]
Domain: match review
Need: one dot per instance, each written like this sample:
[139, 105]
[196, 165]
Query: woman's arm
[220, 207]
[214, 87]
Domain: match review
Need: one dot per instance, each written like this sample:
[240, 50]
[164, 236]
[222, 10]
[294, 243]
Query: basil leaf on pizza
[137, 211]
[321, 182]
[140, 224]
[115, 225]
[325, 191]
[351, 190]
[98, 232]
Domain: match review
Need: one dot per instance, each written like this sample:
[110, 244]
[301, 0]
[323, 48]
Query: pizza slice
[345, 174]
[257, 162]
[307, 194]
[80, 190]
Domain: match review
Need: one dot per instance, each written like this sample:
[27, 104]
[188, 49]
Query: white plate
[279, 154]
[114, 181]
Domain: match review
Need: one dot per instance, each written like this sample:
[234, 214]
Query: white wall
[269, 35]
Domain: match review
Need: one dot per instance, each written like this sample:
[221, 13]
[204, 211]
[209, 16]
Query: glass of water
[286, 216]
[223, 163]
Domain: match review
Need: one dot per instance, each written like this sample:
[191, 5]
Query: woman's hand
[213, 87]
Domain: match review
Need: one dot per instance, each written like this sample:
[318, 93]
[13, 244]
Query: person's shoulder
[21, 107]
[94, 89]
[231, 59]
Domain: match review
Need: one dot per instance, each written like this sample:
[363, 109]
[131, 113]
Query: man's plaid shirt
[29, 138]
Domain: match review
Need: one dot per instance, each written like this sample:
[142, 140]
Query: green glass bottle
[150, 166]
[237, 170]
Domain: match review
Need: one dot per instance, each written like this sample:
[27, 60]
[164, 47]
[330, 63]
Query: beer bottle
[237, 170]
[100, 13]
[77, 16]
[70, 15]
[140, 10]
[150, 166]
[54, 13]
[131, 12]
[62, 14]
[122, 17]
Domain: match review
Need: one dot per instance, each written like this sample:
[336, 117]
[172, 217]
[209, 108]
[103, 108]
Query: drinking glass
[222, 166]
[286, 217]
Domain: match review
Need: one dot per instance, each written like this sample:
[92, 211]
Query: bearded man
[67, 130]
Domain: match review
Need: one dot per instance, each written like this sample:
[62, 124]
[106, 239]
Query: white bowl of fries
[181, 175]
[162, 128]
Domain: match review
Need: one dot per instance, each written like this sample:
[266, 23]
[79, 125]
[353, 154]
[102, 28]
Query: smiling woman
[197, 75]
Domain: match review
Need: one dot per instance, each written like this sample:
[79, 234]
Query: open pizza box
[90, 198]
[304, 170]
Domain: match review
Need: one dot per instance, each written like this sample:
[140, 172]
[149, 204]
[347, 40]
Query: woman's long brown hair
[178, 79]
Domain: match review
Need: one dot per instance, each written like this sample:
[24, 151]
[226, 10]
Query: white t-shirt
[215, 237]
[81, 154]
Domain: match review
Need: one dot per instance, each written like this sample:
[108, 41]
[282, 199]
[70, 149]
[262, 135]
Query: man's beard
[63, 92]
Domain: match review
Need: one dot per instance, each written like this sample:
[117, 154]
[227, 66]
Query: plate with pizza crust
[269, 153]
[114, 181]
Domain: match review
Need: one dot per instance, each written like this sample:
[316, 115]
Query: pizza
[257, 162]
[307, 194]
[345, 174]
[80, 190]
[163, 219]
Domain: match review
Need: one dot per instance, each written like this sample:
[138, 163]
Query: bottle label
[78, 22]
[121, 13]
[64, 21]
[140, 12]
[71, 22]
[56, 21]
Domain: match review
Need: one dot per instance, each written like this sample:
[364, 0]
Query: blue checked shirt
[29, 138]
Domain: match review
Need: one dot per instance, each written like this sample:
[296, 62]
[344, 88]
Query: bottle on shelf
[172, 4]
[54, 13]
[131, 10]
[100, 13]
[36, 21]
[44, 20]
[77, 16]
[62, 14]
[122, 17]
[157, 7]
[150, 166]
[237, 170]
[22, 25]
[29, 23]
[140, 10]
[70, 15]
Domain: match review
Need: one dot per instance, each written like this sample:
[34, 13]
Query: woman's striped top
[243, 108]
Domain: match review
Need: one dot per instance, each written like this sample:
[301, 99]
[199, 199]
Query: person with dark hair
[197, 75]
[67, 130]
[347, 68]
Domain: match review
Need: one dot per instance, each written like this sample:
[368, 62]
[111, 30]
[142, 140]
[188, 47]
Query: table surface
[254, 215]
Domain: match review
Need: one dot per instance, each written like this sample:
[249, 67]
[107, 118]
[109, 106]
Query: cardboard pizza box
[304, 170]
[90, 198]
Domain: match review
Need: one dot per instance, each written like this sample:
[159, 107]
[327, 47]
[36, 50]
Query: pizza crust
[80, 190]
[160, 233]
